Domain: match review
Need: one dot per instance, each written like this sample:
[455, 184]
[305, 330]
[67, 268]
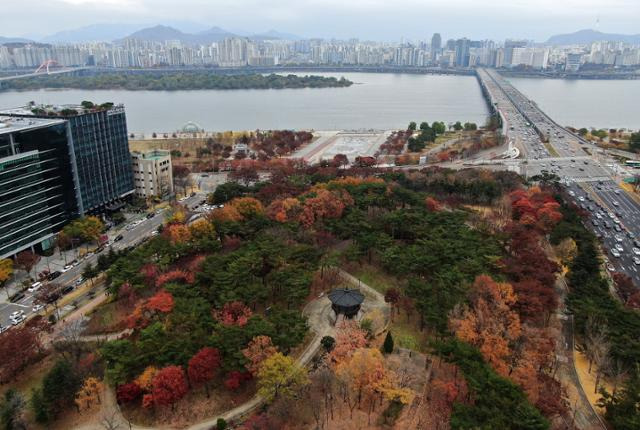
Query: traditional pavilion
[346, 302]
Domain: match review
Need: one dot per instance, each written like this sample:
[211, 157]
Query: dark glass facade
[37, 190]
[102, 158]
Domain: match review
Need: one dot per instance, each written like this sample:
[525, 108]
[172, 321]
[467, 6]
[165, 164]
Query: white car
[17, 320]
[636, 251]
[619, 238]
[34, 287]
[636, 261]
[619, 247]
[571, 193]
[615, 253]
[16, 314]
[67, 267]
[37, 308]
[581, 198]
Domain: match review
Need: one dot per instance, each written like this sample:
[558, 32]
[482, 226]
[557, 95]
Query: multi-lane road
[130, 237]
[547, 147]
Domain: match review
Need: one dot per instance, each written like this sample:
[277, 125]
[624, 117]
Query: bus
[632, 163]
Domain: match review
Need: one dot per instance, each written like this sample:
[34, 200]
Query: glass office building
[38, 194]
[99, 151]
[102, 158]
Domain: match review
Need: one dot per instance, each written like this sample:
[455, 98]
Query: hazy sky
[366, 19]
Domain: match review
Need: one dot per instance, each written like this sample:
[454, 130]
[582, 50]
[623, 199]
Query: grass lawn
[373, 276]
[106, 319]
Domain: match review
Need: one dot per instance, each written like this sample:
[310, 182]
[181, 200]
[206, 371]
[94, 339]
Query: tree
[387, 346]
[6, 271]
[26, 260]
[57, 391]
[169, 386]
[203, 367]
[24, 339]
[233, 313]
[349, 337]
[489, 323]
[89, 272]
[181, 177]
[623, 407]
[412, 126]
[341, 160]
[328, 343]
[89, 393]
[457, 126]
[11, 410]
[567, 250]
[280, 376]
[127, 393]
[259, 349]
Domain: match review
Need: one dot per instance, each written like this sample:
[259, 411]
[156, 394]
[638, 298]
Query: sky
[381, 20]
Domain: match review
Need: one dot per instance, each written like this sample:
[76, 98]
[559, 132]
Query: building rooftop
[60, 110]
[12, 124]
[345, 297]
[154, 154]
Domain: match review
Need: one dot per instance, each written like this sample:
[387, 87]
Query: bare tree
[69, 339]
[595, 340]
[110, 420]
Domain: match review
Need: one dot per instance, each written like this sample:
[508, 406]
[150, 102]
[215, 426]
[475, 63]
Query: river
[376, 100]
[585, 103]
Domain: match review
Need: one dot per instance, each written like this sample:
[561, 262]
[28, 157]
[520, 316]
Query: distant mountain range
[583, 37]
[160, 33]
[186, 32]
[4, 40]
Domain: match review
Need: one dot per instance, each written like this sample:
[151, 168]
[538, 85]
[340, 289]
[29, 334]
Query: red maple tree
[169, 385]
[203, 367]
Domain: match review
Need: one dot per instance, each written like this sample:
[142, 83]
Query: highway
[547, 147]
[129, 238]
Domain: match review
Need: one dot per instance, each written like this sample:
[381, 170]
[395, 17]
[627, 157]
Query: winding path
[318, 316]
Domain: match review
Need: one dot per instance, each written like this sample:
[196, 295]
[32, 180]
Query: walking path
[318, 316]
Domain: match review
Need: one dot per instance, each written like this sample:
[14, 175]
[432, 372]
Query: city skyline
[364, 19]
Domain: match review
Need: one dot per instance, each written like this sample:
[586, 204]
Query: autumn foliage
[535, 208]
[233, 313]
[169, 385]
[259, 349]
[203, 366]
[127, 393]
[349, 337]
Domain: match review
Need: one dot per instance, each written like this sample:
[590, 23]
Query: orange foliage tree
[349, 337]
[247, 207]
[259, 349]
[489, 322]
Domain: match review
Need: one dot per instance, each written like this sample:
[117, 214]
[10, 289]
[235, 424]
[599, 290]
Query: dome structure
[191, 127]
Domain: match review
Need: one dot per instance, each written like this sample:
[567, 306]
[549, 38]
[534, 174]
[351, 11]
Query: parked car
[66, 289]
[151, 215]
[54, 275]
[118, 238]
[37, 308]
[615, 253]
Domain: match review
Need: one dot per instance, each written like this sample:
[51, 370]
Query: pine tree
[387, 347]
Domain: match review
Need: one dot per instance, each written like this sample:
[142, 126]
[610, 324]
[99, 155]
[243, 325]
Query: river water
[586, 103]
[377, 100]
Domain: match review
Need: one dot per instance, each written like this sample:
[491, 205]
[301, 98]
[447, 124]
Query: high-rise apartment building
[436, 46]
[509, 46]
[462, 52]
[38, 193]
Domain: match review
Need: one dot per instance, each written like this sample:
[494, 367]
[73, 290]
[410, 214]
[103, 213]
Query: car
[581, 198]
[635, 250]
[615, 203]
[79, 281]
[611, 215]
[118, 238]
[67, 289]
[618, 238]
[615, 253]
[616, 220]
[617, 228]
[631, 235]
[616, 191]
[155, 233]
[599, 215]
[18, 320]
[67, 267]
[636, 242]
[571, 193]
[636, 260]
[54, 275]
[151, 215]
[34, 287]
[619, 247]
[595, 223]
[610, 267]
[37, 308]
[16, 314]
[607, 225]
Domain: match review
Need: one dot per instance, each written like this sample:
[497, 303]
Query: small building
[346, 302]
[152, 173]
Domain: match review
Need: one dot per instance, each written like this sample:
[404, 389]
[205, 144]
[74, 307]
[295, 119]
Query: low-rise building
[152, 173]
